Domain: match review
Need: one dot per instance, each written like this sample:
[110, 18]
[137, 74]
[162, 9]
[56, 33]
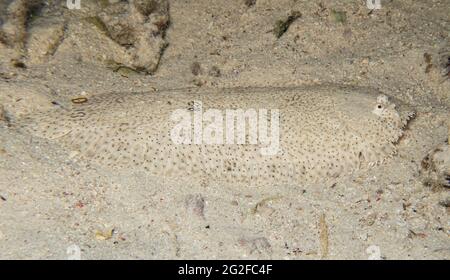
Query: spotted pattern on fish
[325, 132]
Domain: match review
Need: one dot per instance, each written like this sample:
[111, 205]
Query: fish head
[376, 114]
[375, 122]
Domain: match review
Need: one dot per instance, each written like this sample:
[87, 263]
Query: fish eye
[379, 106]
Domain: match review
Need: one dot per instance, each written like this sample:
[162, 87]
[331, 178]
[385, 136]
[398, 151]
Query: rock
[92, 45]
[45, 36]
[436, 167]
[13, 29]
[140, 28]
[130, 33]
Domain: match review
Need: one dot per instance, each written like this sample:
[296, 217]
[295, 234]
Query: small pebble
[195, 204]
[249, 3]
[214, 72]
[445, 203]
[196, 69]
